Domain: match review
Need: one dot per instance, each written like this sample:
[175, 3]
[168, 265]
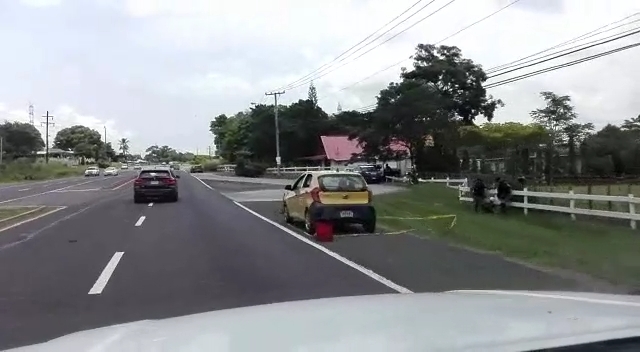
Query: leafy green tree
[123, 146]
[83, 140]
[442, 92]
[556, 117]
[20, 139]
[313, 94]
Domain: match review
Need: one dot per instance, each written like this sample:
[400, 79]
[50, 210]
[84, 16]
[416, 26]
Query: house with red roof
[338, 152]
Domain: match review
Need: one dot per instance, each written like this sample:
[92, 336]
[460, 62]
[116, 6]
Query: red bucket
[324, 231]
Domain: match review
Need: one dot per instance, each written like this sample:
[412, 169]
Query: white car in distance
[111, 171]
[92, 171]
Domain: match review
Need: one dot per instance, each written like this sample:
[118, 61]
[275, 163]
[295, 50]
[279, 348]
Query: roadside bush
[246, 168]
[210, 166]
[103, 164]
[25, 169]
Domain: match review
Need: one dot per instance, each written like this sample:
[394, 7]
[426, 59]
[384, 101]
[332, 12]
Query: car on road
[337, 197]
[158, 183]
[371, 173]
[196, 168]
[124, 167]
[137, 167]
[92, 171]
[110, 171]
[175, 166]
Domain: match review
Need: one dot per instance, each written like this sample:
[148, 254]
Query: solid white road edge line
[547, 295]
[370, 273]
[104, 277]
[140, 221]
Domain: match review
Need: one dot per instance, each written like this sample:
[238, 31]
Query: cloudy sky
[157, 71]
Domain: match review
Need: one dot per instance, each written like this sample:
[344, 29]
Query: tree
[313, 94]
[556, 117]
[163, 153]
[441, 93]
[457, 81]
[216, 127]
[84, 141]
[511, 141]
[109, 152]
[20, 139]
[123, 146]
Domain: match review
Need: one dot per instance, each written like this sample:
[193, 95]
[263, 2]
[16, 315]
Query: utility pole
[275, 108]
[1, 151]
[47, 123]
[105, 135]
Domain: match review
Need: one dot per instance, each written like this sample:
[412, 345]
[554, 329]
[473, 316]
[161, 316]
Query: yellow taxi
[338, 197]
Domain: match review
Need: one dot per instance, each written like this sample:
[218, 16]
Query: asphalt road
[103, 260]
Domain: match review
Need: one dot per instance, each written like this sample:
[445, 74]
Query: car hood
[457, 320]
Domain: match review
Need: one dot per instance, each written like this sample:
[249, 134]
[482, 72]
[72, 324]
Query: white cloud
[66, 116]
[317, 31]
[142, 65]
[41, 3]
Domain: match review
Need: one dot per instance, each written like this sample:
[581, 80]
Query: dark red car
[155, 183]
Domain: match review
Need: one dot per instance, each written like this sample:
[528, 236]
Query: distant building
[338, 152]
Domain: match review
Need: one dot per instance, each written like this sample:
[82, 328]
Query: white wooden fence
[463, 189]
[285, 170]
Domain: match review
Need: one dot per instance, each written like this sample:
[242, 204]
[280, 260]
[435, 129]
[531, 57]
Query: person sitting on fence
[479, 191]
[503, 193]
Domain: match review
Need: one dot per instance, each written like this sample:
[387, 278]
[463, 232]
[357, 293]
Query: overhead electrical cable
[362, 41]
[598, 31]
[375, 47]
[438, 42]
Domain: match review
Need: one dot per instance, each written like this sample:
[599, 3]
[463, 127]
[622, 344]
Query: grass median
[28, 171]
[548, 239]
[10, 216]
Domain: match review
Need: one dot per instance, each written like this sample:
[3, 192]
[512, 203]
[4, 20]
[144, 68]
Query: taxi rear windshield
[154, 173]
[342, 182]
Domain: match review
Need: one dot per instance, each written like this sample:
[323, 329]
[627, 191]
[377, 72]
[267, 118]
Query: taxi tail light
[370, 195]
[315, 195]
[169, 181]
[138, 182]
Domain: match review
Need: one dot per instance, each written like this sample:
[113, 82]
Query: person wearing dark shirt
[478, 190]
[503, 193]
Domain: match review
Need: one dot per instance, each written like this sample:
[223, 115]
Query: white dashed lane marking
[140, 221]
[104, 277]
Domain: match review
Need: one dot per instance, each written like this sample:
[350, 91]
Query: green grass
[10, 215]
[9, 212]
[22, 171]
[548, 239]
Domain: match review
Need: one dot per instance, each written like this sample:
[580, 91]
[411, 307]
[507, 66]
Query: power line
[581, 37]
[616, 37]
[438, 42]
[47, 122]
[590, 34]
[564, 65]
[362, 41]
[539, 72]
[377, 46]
[275, 110]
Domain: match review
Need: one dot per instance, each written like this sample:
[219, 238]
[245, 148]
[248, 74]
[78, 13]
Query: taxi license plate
[154, 182]
[346, 214]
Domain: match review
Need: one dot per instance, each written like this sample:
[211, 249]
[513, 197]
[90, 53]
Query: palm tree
[124, 146]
